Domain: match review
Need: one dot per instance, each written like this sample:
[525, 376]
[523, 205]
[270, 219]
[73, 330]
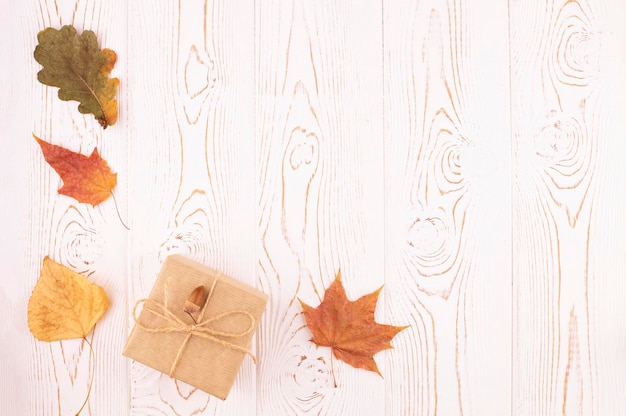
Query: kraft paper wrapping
[204, 363]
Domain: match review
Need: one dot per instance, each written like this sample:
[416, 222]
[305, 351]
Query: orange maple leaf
[348, 327]
[85, 178]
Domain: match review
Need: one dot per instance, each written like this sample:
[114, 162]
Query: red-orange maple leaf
[348, 327]
[85, 178]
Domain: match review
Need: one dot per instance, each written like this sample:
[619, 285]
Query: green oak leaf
[76, 65]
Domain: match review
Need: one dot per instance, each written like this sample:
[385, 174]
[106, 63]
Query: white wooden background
[469, 155]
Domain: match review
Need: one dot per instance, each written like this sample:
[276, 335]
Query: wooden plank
[192, 163]
[320, 195]
[53, 378]
[568, 125]
[447, 211]
[17, 174]
[607, 239]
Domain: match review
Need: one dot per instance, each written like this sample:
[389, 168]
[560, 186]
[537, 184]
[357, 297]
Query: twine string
[202, 328]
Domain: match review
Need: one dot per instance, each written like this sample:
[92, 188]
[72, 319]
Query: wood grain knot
[200, 80]
[303, 149]
[312, 373]
[311, 379]
[564, 150]
[190, 231]
[199, 73]
[451, 173]
[186, 240]
[577, 55]
[428, 236]
[431, 241]
[81, 246]
[447, 154]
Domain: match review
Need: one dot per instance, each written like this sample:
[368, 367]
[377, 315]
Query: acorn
[195, 301]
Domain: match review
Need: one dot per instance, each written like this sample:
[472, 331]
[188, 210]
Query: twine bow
[200, 329]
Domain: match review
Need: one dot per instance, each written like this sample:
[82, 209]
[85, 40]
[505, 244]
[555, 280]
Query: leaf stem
[118, 211]
[332, 367]
[92, 364]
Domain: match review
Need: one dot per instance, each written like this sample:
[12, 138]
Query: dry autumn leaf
[64, 304]
[85, 178]
[348, 327]
[76, 65]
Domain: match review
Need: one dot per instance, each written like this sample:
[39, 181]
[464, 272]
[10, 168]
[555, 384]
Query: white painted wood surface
[467, 155]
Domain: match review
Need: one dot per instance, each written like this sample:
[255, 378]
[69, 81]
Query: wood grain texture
[467, 155]
[447, 204]
[192, 153]
[607, 239]
[319, 173]
[568, 181]
[16, 342]
[52, 378]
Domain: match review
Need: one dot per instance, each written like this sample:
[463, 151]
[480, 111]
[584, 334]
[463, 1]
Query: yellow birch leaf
[64, 304]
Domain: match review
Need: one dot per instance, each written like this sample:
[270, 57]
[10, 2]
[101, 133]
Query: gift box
[207, 353]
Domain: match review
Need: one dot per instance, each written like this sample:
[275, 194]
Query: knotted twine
[200, 329]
